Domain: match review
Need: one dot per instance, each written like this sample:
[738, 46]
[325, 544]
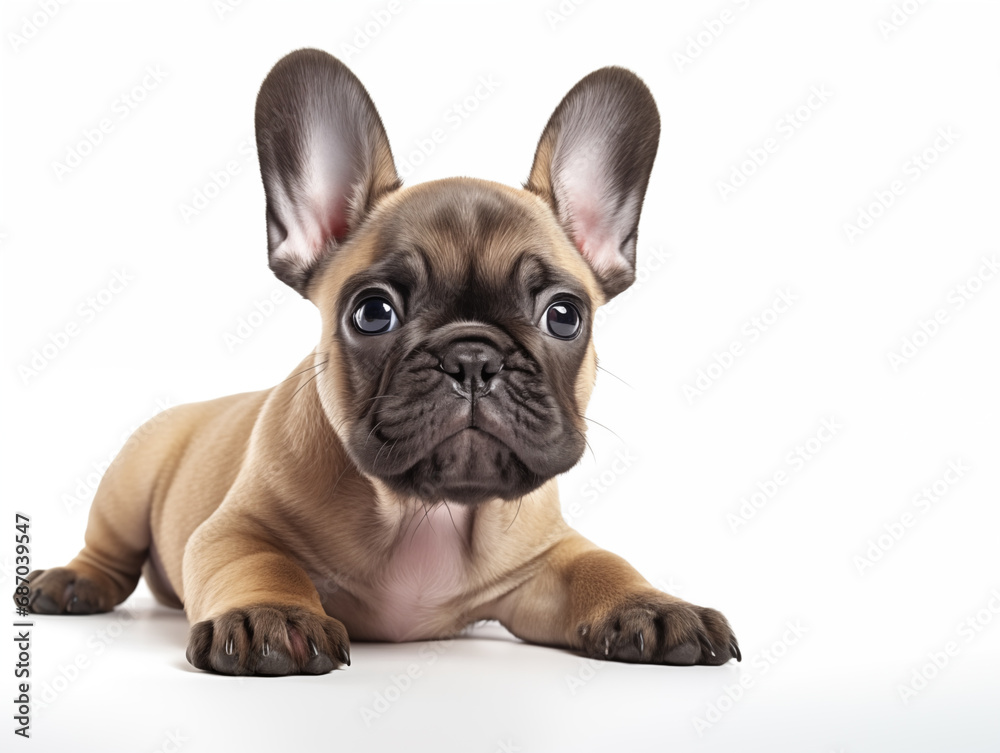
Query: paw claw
[60, 590]
[267, 640]
[706, 645]
[653, 627]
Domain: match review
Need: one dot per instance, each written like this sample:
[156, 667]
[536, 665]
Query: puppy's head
[457, 314]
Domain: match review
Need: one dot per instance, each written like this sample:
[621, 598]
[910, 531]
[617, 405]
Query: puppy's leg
[590, 600]
[253, 610]
[108, 567]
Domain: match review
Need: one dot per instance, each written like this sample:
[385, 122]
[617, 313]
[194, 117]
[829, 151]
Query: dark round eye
[562, 320]
[375, 316]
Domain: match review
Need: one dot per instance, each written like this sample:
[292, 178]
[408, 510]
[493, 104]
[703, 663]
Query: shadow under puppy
[400, 484]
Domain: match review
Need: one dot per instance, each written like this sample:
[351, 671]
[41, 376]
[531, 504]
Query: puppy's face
[457, 355]
[459, 352]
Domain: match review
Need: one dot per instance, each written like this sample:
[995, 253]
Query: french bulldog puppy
[400, 484]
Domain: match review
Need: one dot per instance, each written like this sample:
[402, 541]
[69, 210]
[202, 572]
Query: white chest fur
[426, 571]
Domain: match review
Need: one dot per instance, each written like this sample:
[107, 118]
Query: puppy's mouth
[469, 466]
[457, 459]
[435, 442]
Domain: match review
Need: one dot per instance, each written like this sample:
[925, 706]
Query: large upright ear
[324, 158]
[592, 166]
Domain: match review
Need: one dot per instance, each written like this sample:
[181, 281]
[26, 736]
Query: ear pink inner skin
[322, 218]
[328, 184]
[593, 239]
[331, 217]
[580, 181]
[317, 202]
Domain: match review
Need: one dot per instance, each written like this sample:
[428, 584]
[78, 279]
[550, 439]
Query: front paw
[658, 629]
[60, 590]
[269, 640]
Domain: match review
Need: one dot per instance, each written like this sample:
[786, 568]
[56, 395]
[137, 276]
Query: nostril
[491, 369]
[471, 364]
[453, 368]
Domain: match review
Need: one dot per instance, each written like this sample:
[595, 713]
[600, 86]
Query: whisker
[372, 432]
[413, 396]
[426, 513]
[615, 376]
[516, 513]
[375, 461]
[598, 423]
[586, 442]
[307, 382]
[377, 397]
[453, 523]
[393, 447]
[337, 482]
[307, 368]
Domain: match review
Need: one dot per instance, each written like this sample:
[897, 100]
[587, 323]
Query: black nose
[472, 364]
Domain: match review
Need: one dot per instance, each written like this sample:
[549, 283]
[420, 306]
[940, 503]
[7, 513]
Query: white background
[832, 684]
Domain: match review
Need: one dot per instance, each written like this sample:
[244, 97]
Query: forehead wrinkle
[404, 267]
[469, 225]
[505, 252]
[505, 233]
[477, 239]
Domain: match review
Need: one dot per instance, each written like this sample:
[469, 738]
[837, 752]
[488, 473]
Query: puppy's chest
[425, 573]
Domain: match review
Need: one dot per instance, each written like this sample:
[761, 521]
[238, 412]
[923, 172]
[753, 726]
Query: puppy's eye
[562, 320]
[375, 316]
